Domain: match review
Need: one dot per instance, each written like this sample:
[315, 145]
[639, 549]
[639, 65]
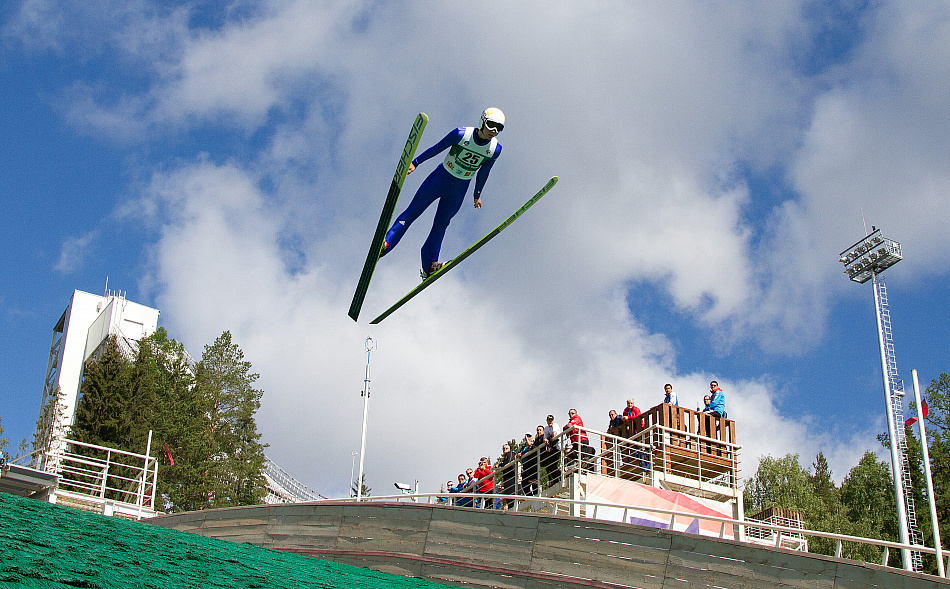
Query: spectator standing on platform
[670, 396]
[706, 400]
[717, 402]
[551, 455]
[448, 489]
[615, 428]
[530, 463]
[460, 488]
[633, 423]
[509, 474]
[551, 429]
[615, 422]
[487, 486]
[631, 417]
[469, 480]
[580, 444]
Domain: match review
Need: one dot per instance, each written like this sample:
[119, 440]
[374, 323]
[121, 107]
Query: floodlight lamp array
[872, 255]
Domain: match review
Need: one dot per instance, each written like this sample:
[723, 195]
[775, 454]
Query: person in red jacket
[486, 486]
[580, 444]
[634, 424]
[630, 414]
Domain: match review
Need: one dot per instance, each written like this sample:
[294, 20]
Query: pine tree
[102, 412]
[166, 401]
[821, 478]
[365, 491]
[831, 515]
[225, 386]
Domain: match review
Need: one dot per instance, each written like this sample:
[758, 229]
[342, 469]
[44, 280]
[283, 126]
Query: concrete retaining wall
[488, 548]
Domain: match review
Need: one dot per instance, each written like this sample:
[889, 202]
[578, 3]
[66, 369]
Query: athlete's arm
[482, 176]
[453, 137]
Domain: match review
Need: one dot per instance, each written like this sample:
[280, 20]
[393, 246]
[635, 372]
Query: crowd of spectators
[541, 451]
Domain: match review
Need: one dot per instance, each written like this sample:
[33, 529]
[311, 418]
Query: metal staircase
[896, 401]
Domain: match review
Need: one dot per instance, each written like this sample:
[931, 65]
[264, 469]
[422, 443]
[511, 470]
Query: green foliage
[937, 397]
[780, 482]
[203, 413]
[102, 414]
[167, 385]
[47, 425]
[864, 504]
[365, 490]
[3, 441]
[858, 508]
[224, 382]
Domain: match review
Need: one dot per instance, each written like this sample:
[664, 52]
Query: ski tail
[471, 250]
[389, 206]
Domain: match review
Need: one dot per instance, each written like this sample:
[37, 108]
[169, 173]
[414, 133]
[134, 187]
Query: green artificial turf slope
[52, 547]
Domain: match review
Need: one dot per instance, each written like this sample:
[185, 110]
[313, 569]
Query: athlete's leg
[449, 204]
[427, 192]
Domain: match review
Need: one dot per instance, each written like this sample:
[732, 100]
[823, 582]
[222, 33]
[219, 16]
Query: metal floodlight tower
[864, 261]
[370, 346]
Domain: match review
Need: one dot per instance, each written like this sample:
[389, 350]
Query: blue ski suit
[467, 154]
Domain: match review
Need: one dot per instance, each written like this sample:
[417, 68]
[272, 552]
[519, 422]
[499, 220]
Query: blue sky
[225, 163]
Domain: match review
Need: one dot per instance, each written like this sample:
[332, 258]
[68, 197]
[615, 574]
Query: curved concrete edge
[486, 548]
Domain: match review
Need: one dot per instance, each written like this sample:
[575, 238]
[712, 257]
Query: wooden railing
[684, 442]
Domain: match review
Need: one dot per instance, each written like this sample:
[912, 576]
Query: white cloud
[74, 251]
[647, 113]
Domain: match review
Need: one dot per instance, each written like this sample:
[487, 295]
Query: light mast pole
[370, 345]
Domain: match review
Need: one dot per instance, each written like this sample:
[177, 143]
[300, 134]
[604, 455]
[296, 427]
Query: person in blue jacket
[717, 401]
[670, 395]
[472, 152]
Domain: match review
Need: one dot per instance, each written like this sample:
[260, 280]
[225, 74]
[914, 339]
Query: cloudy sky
[225, 162]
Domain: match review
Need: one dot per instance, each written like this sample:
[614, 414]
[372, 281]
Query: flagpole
[921, 412]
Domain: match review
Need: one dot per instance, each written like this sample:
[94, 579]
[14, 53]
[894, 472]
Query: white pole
[896, 466]
[930, 485]
[148, 453]
[370, 344]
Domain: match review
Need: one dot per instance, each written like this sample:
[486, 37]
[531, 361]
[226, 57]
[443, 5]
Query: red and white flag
[923, 413]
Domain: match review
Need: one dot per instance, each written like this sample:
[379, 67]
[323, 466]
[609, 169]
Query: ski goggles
[494, 126]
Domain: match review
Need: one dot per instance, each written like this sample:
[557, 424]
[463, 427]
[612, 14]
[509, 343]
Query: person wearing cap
[530, 461]
[472, 153]
[551, 458]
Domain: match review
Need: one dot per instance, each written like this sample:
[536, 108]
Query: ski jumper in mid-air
[472, 152]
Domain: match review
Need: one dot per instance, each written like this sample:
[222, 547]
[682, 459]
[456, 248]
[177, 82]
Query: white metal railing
[688, 460]
[740, 527]
[106, 475]
[768, 537]
[283, 488]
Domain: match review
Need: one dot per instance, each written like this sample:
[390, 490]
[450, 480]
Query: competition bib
[466, 156]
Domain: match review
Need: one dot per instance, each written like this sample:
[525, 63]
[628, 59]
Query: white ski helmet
[494, 115]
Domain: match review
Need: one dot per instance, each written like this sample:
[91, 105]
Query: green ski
[455, 261]
[388, 207]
